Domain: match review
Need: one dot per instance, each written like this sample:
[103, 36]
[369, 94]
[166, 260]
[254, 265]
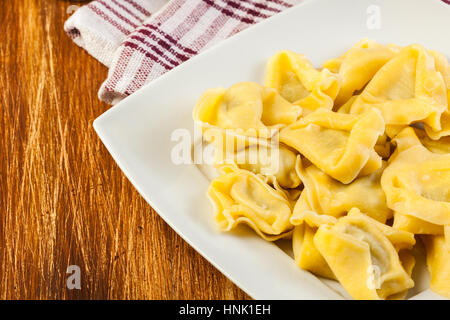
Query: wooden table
[63, 200]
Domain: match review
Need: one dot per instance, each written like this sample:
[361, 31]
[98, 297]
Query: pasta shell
[277, 161]
[329, 198]
[363, 258]
[295, 78]
[341, 145]
[306, 254]
[245, 109]
[407, 89]
[240, 196]
[358, 66]
[417, 181]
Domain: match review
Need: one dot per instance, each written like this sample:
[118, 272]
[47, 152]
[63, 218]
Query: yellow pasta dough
[415, 225]
[443, 66]
[411, 223]
[246, 108]
[437, 146]
[438, 260]
[306, 254]
[240, 196]
[304, 214]
[383, 146]
[272, 161]
[326, 196]
[341, 145]
[294, 77]
[358, 66]
[408, 262]
[363, 258]
[352, 161]
[417, 181]
[407, 89]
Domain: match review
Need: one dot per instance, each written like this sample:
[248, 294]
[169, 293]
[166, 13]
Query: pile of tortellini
[363, 163]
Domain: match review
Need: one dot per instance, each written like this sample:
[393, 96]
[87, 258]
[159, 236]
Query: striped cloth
[139, 40]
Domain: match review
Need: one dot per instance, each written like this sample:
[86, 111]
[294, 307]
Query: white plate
[137, 131]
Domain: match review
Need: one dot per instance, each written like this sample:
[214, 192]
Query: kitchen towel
[139, 40]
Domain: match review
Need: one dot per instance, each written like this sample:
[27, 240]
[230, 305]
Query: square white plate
[138, 131]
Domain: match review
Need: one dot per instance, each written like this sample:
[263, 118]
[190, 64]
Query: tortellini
[417, 182]
[351, 162]
[341, 145]
[294, 77]
[240, 196]
[326, 196]
[272, 161]
[245, 108]
[409, 222]
[407, 89]
[358, 66]
[363, 258]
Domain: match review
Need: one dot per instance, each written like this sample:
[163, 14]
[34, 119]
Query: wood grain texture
[63, 200]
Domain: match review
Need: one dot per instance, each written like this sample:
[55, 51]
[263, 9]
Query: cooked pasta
[350, 161]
